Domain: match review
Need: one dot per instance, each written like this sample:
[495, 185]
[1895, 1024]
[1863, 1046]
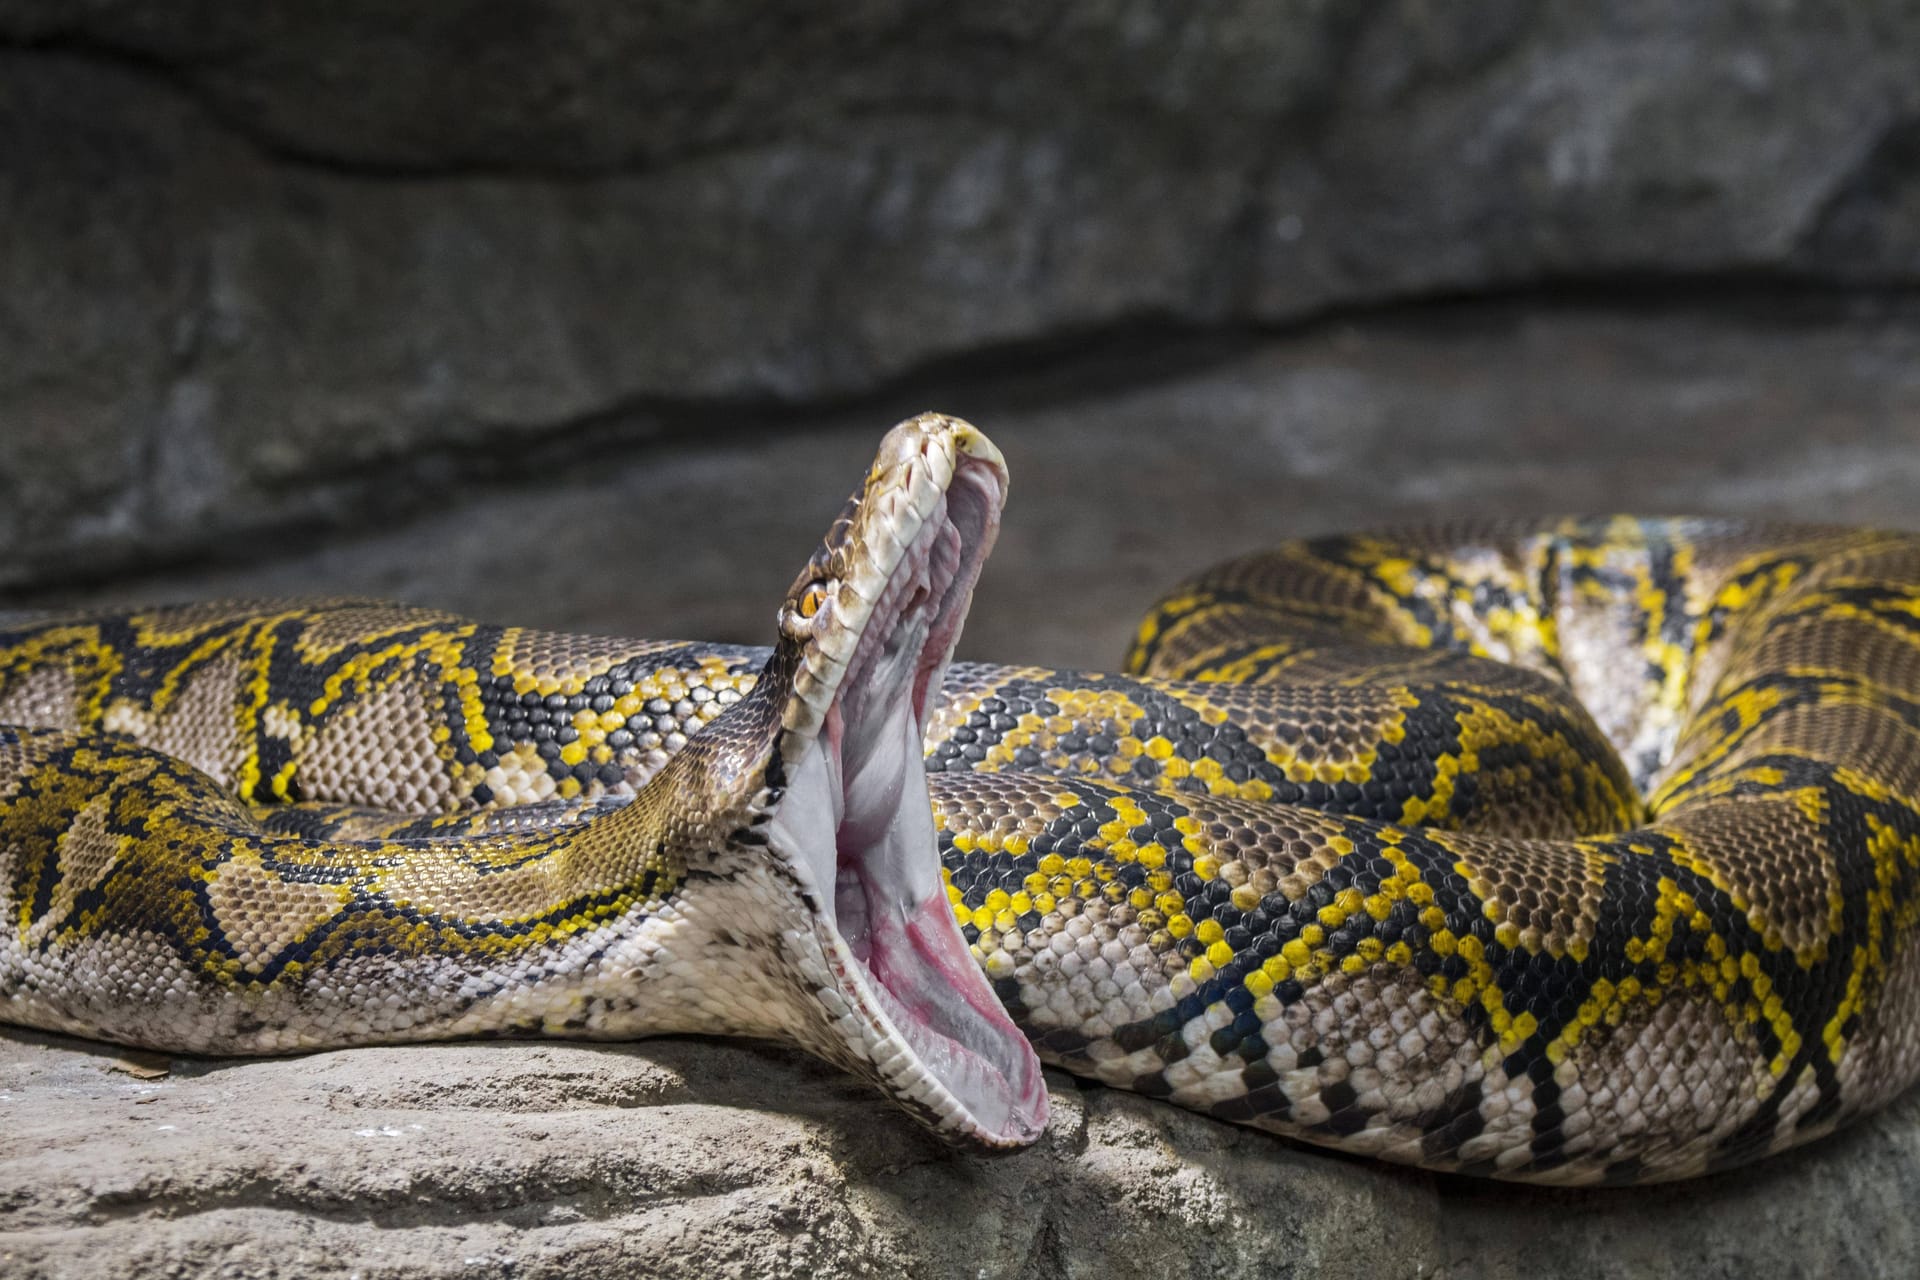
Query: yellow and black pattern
[1276, 876]
[257, 827]
[255, 903]
[359, 702]
[1442, 740]
[1581, 851]
[149, 905]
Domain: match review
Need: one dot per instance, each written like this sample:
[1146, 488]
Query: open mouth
[856, 822]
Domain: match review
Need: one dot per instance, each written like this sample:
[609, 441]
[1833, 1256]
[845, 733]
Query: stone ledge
[687, 1157]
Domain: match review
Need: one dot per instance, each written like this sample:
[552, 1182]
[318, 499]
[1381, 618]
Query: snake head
[877, 976]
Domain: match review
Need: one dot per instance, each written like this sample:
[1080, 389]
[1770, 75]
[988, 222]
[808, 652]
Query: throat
[886, 788]
[859, 833]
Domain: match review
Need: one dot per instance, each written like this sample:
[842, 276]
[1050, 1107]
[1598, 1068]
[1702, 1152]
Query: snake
[1580, 851]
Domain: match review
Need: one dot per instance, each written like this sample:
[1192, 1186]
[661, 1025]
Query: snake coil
[1570, 851]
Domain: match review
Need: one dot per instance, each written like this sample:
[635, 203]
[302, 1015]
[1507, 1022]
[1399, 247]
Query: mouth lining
[856, 823]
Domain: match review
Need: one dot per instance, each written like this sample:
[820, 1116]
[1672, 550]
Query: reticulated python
[1574, 851]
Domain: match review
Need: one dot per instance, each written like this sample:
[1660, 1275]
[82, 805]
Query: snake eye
[810, 602]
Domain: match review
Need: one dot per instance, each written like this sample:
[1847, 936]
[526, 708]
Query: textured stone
[275, 266]
[683, 1157]
[1128, 475]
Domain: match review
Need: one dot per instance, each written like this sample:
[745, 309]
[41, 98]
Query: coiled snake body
[1567, 851]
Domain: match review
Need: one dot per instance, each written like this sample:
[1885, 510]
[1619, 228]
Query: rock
[684, 1157]
[1131, 474]
[289, 268]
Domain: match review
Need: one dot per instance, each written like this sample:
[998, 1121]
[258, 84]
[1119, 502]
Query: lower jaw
[935, 992]
[909, 1004]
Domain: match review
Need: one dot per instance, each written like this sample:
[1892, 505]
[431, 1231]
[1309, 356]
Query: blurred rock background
[589, 315]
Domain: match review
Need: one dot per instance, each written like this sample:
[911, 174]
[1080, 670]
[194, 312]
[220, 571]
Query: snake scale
[1568, 851]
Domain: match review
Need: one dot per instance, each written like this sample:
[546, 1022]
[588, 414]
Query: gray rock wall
[1130, 473]
[280, 267]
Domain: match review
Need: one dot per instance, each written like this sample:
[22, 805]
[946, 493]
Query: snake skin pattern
[1572, 851]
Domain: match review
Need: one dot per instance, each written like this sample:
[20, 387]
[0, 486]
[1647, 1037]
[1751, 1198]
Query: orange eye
[810, 603]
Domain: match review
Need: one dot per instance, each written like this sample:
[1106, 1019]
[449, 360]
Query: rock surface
[681, 1157]
[274, 266]
[1130, 474]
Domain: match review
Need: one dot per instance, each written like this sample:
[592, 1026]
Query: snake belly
[1570, 851]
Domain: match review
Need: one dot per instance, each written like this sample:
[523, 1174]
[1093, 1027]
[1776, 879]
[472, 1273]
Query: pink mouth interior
[889, 900]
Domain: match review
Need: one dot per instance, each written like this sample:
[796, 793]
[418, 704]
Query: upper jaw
[853, 821]
[936, 488]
